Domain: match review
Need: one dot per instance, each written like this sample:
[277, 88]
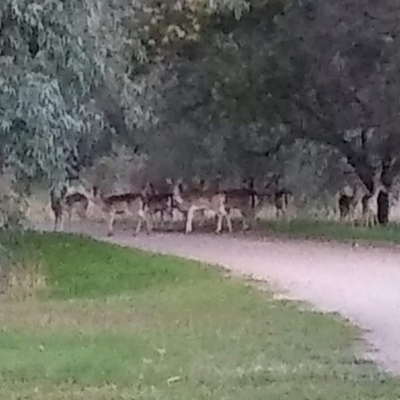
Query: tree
[347, 94]
[325, 71]
[49, 65]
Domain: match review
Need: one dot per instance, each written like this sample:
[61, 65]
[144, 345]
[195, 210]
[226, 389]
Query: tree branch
[282, 142]
[356, 160]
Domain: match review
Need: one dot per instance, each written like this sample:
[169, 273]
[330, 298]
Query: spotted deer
[128, 204]
[190, 201]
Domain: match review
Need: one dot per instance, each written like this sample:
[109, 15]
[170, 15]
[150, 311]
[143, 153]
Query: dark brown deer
[158, 201]
[348, 203]
[282, 199]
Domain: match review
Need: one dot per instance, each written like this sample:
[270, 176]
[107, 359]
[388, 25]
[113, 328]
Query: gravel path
[362, 284]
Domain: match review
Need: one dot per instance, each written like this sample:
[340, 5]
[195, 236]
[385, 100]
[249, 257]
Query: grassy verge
[114, 323]
[334, 230]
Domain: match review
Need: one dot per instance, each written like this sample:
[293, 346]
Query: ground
[91, 320]
[359, 283]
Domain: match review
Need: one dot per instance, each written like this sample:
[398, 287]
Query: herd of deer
[197, 197]
[348, 204]
[186, 199]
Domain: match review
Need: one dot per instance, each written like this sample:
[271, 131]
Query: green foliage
[49, 66]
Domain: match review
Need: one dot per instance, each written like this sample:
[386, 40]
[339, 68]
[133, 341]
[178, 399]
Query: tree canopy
[225, 87]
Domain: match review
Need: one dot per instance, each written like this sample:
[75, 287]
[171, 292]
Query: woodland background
[300, 94]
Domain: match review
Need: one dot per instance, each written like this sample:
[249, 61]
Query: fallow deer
[245, 200]
[158, 201]
[61, 202]
[281, 201]
[369, 201]
[129, 204]
[348, 203]
[191, 201]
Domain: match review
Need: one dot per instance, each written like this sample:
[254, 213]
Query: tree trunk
[383, 208]
[383, 200]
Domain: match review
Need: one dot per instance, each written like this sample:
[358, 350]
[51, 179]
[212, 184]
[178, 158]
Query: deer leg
[162, 219]
[189, 219]
[56, 220]
[171, 219]
[221, 213]
[61, 220]
[142, 217]
[148, 221]
[69, 212]
[374, 220]
[111, 219]
[245, 224]
[227, 215]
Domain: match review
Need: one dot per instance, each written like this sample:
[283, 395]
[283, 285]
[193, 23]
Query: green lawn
[114, 323]
[334, 230]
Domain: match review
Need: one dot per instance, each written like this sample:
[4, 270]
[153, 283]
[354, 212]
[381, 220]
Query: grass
[334, 230]
[114, 323]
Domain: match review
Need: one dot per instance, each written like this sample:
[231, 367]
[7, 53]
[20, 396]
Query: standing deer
[245, 200]
[281, 201]
[61, 202]
[369, 201]
[129, 204]
[191, 201]
[158, 201]
[348, 203]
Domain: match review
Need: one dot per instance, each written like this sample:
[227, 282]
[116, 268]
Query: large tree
[325, 72]
[50, 65]
[346, 94]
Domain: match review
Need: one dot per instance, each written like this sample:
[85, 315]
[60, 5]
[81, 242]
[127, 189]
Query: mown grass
[334, 230]
[115, 323]
[77, 267]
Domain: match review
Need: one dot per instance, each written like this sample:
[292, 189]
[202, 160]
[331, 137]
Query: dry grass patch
[21, 282]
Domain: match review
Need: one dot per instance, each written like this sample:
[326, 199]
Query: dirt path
[362, 284]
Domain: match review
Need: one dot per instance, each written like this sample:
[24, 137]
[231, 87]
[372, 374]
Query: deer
[158, 201]
[246, 200]
[127, 204]
[347, 204]
[369, 217]
[63, 202]
[282, 199]
[194, 200]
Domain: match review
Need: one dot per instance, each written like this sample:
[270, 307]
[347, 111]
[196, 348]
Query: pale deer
[62, 202]
[128, 204]
[191, 201]
[369, 201]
